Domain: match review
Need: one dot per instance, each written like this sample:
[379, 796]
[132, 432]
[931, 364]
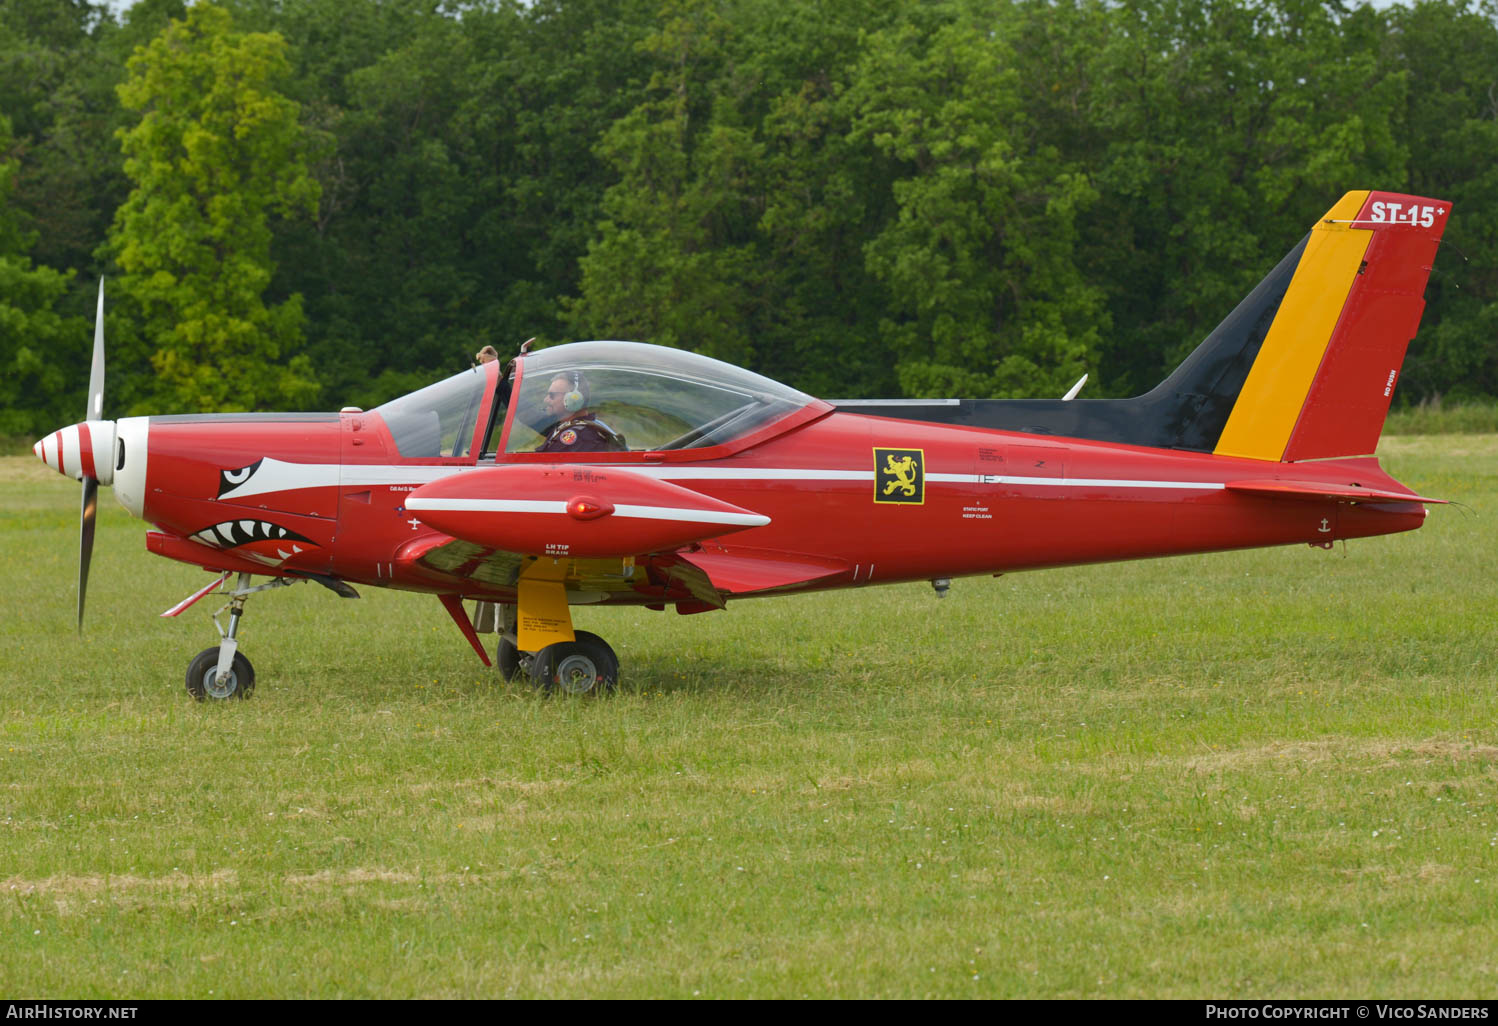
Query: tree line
[310, 203]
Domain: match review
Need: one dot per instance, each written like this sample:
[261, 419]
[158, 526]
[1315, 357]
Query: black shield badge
[900, 476]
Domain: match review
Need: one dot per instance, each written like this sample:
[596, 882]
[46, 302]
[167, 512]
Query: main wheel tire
[586, 666]
[510, 660]
[202, 674]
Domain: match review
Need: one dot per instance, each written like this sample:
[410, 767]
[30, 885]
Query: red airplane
[619, 473]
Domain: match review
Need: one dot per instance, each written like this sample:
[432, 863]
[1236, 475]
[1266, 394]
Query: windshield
[437, 420]
[616, 396]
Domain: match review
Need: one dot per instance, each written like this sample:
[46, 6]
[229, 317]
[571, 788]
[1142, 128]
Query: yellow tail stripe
[1269, 405]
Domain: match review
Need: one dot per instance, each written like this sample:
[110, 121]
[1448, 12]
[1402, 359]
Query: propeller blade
[86, 540]
[96, 373]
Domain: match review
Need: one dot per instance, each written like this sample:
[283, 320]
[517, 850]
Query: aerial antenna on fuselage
[1071, 393]
[507, 372]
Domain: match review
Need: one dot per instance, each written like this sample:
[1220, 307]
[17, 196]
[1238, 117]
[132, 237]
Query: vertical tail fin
[1321, 382]
[1302, 368]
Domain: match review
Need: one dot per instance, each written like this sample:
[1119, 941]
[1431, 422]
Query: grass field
[1438, 418]
[1257, 774]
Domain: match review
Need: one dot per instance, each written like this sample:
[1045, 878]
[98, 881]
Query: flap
[742, 571]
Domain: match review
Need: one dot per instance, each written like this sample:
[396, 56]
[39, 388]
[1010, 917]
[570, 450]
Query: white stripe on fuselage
[275, 475]
[1077, 482]
[633, 512]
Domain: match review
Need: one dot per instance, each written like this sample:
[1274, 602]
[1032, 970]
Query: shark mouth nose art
[260, 540]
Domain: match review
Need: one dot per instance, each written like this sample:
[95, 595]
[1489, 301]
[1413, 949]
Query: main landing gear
[583, 666]
[222, 671]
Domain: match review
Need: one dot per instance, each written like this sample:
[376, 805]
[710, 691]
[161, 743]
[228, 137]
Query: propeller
[95, 412]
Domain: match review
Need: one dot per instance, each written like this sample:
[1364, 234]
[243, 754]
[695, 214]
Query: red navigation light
[585, 507]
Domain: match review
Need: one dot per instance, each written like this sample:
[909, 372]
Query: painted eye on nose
[231, 479]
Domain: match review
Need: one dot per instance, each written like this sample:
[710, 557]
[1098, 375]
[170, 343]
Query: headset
[577, 398]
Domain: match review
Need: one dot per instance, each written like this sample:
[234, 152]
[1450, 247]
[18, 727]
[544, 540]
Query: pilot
[485, 355]
[577, 428]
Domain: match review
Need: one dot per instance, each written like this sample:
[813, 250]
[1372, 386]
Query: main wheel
[510, 660]
[582, 667]
[202, 676]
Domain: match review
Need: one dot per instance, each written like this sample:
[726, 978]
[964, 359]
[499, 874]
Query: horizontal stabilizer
[1325, 490]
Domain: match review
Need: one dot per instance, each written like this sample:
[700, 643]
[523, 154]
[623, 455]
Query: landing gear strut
[222, 672]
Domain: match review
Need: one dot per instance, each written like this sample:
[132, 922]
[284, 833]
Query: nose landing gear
[223, 672]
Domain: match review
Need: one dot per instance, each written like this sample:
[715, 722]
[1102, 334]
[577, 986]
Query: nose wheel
[203, 680]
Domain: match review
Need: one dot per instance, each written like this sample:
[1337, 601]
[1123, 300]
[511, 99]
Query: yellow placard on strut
[541, 614]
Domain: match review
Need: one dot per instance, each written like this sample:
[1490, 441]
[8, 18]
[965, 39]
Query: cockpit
[654, 399]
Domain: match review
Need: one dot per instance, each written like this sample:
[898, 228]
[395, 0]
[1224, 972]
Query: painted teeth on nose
[231, 534]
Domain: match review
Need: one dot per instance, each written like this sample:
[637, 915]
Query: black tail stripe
[1188, 410]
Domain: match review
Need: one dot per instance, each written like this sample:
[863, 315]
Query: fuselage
[885, 500]
[730, 485]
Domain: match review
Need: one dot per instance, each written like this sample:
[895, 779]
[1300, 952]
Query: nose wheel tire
[202, 677]
[586, 666]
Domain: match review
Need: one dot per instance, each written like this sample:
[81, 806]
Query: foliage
[980, 254]
[217, 152]
[1451, 116]
[978, 196]
[38, 345]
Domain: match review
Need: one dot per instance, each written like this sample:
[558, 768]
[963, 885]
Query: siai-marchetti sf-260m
[620, 473]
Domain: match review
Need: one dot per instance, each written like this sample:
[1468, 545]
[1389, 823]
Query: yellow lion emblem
[902, 471]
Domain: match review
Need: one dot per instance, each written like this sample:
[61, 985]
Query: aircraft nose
[80, 450]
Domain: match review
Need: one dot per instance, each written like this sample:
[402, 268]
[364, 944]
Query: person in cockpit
[576, 428]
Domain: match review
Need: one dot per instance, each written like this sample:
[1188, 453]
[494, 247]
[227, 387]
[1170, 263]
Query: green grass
[1476, 416]
[1256, 774]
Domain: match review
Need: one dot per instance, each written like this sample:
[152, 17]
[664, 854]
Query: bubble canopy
[655, 398]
